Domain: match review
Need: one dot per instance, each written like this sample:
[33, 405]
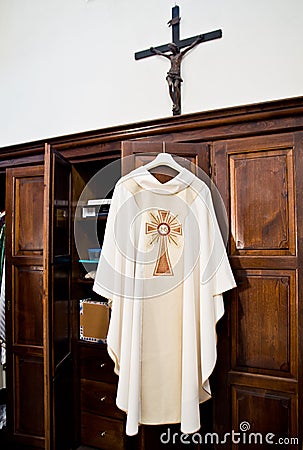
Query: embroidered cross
[165, 229]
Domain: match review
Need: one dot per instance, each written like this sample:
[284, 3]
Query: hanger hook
[163, 147]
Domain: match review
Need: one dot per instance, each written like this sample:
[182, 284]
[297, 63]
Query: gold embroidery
[165, 229]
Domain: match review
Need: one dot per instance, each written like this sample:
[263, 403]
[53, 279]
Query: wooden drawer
[100, 432]
[95, 364]
[100, 398]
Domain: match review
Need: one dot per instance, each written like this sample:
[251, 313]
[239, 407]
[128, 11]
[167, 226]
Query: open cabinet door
[56, 301]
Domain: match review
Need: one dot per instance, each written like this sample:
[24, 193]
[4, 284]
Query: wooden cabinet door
[57, 311]
[258, 368]
[39, 375]
[24, 299]
[138, 153]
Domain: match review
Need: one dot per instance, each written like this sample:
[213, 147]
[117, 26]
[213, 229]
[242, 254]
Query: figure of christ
[173, 77]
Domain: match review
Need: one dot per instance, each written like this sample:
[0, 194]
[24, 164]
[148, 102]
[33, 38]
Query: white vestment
[164, 268]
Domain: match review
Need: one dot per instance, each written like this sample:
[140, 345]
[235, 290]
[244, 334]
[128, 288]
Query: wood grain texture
[256, 178]
[24, 244]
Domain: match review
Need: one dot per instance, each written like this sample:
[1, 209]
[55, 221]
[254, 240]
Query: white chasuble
[164, 267]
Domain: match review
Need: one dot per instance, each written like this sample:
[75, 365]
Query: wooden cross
[173, 76]
[163, 228]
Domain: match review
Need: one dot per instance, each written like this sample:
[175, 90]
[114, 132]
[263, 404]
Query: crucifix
[175, 56]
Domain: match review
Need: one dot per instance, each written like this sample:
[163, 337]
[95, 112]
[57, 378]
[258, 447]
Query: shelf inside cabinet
[85, 280]
[98, 217]
[88, 261]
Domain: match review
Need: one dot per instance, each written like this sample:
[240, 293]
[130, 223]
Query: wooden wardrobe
[61, 389]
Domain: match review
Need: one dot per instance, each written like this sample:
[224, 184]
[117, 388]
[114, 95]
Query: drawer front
[95, 364]
[100, 398]
[99, 432]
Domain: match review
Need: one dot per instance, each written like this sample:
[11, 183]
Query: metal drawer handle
[103, 434]
[102, 398]
[102, 365]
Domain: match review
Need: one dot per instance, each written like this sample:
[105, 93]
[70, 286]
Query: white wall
[68, 65]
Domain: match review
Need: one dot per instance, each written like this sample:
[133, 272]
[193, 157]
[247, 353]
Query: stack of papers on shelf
[99, 201]
[96, 207]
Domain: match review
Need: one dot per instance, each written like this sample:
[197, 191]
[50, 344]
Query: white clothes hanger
[164, 159]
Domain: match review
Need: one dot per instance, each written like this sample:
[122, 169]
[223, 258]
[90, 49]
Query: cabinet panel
[95, 364]
[249, 405]
[256, 179]
[263, 323]
[262, 202]
[29, 404]
[61, 312]
[24, 289]
[27, 306]
[100, 398]
[100, 432]
[56, 299]
[38, 289]
[28, 227]
[63, 408]
[61, 207]
[134, 154]
[57, 249]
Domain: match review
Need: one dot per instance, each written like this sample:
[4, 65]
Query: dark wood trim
[268, 117]
[298, 163]
[48, 176]
[26, 161]
[270, 383]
